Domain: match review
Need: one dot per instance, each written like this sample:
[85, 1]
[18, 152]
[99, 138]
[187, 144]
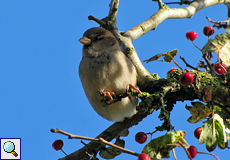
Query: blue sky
[39, 84]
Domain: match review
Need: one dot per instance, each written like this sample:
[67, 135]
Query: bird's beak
[85, 41]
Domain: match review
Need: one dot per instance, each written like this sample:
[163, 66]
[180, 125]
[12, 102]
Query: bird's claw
[130, 87]
[108, 94]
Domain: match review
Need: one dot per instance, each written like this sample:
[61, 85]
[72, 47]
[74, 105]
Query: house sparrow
[104, 69]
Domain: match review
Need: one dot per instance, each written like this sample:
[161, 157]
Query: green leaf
[199, 112]
[220, 45]
[160, 147]
[215, 131]
[222, 118]
[212, 134]
[167, 56]
[111, 152]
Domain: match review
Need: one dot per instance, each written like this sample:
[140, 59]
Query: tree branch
[125, 39]
[108, 134]
[113, 9]
[150, 24]
[167, 13]
[172, 89]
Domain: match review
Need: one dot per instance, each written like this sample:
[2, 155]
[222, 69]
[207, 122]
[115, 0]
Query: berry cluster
[219, 68]
[207, 30]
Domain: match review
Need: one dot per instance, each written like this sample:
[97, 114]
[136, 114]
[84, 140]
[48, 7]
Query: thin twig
[202, 65]
[71, 136]
[63, 151]
[151, 133]
[219, 24]
[195, 45]
[208, 154]
[180, 3]
[188, 65]
[100, 140]
[174, 154]
[186, 150]
[160, 3]
[207, 61]
[100, 22]
[175, 61]
[118, 147]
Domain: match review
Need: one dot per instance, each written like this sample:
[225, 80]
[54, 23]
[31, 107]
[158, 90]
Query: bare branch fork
[130, 35]
[144, 78]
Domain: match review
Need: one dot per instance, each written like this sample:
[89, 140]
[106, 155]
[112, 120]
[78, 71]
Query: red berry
[171, 70]
[219, 69]
[193, 151]
[226, 145]
[197, 132]
[208, 30]
[186, 79]
[58, 144]
[141, 137]
[143, 156]
[191, 35]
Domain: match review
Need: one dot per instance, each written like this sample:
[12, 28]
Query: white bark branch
[151, 24]
[167, 13]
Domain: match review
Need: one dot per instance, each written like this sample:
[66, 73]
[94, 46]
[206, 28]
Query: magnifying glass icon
[9, 147]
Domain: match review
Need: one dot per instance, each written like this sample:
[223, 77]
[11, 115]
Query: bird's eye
[98, 38]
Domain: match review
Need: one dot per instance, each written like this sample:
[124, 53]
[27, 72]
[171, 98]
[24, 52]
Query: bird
[105, 72]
